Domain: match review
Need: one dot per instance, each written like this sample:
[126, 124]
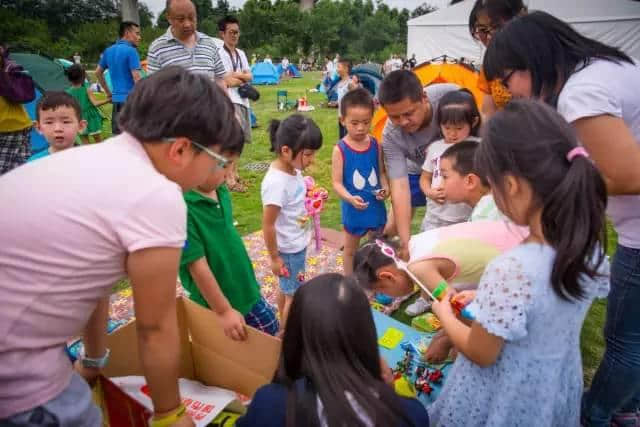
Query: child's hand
[464, 297]
[443, 307]
[382, 194]
[385, 372]
[278, 268]
[233, 325]
[358, 203]
[436, 194]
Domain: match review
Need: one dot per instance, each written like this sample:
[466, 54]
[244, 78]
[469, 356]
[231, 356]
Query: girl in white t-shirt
[595, 87]
[285, 223]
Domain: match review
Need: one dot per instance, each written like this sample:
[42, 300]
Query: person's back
[85, 224]
[340, 382]
[74, 228]
[120, 59]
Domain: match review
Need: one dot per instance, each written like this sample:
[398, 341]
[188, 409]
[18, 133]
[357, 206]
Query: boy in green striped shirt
[215, 269]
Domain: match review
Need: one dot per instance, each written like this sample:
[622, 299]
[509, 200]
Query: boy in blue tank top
[358, 176]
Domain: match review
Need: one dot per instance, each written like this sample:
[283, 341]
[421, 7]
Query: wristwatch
[96, 363]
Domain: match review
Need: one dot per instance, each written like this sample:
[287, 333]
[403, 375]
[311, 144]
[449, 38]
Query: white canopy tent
[446, 31]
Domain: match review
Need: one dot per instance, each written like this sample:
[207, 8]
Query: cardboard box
[207, 355]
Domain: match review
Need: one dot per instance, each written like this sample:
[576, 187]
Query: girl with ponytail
[531, 300]
[295, 141]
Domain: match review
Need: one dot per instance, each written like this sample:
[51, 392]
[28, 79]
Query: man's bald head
[183, 18]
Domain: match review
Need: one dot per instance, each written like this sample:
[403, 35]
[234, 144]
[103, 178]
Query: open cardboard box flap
[207, 355]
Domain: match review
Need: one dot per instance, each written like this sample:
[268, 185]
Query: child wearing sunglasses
[222, 280]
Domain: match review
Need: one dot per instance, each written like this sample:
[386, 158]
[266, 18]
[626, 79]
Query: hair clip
[576, 152]
[391, 253]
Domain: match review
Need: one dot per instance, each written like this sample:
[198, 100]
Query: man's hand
[89, 374]
[233, 325]
[403, 252]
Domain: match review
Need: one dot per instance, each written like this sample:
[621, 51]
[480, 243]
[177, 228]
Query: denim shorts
[295, 263]
[73, 407]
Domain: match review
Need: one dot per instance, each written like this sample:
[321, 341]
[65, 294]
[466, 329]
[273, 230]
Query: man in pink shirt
[74, 224]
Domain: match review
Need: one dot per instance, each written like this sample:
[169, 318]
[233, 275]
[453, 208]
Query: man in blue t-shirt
[123, 63]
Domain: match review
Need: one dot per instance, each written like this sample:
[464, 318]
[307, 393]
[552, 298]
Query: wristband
[95, 363]
[169, 419]
[440, 289]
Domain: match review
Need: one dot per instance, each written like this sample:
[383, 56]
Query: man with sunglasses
[78, 223]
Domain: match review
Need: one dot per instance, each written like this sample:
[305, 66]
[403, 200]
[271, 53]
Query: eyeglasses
[505, 80]
[482, 32]
[223, 162]
[234, 32]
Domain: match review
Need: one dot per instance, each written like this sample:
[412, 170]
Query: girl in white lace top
[519, 361]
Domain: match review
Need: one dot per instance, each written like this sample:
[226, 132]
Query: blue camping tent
[290, 71]
[369, 77]
[47, 75]
[38, 143]
[294, 72]
[265, 73]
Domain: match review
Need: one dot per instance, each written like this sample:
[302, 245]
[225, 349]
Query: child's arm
[474, 341]
[435, 194]
[232, 321]
[384, 182]
[95, 100]
[336, 178]
[269, 215]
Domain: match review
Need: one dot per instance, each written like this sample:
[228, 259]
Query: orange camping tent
[429, 72]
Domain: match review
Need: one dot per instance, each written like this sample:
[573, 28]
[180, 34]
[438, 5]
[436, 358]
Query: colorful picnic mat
[327, 260]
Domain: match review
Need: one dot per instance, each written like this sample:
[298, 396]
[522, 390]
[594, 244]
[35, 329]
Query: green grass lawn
[248, 209]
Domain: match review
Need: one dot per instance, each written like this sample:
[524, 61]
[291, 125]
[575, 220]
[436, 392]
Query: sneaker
[419, 306]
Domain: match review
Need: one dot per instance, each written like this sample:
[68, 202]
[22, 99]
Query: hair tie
[575, 152]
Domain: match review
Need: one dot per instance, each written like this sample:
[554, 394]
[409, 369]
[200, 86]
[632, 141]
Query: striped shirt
[203, 58]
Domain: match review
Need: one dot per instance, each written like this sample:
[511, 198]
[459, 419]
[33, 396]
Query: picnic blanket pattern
[327, 260]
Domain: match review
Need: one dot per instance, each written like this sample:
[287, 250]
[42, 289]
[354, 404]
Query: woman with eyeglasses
[487, 17]
[596, 88]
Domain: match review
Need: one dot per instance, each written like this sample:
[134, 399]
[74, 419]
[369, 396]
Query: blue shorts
[295, 263]
[417, 196]
[361, 231]
[263, 317]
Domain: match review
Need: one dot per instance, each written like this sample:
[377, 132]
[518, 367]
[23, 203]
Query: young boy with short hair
[215, 269]
[345, 84]
[463, 184]
[59, 121]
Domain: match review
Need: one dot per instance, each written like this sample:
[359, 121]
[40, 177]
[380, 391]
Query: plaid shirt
[203, 58]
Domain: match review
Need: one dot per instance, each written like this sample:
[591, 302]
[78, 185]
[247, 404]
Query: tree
[423, 9]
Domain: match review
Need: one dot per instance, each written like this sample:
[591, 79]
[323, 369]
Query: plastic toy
[427, 322]
[435, 376]
[383, 299]
[314, 204]
[391, 338]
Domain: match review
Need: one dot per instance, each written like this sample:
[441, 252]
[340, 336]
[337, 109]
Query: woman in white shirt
[596, 88]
